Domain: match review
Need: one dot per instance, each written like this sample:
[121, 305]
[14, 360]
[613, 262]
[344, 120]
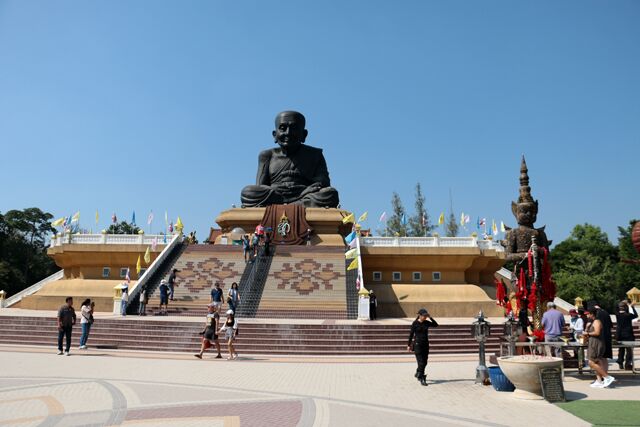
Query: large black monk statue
[293, 172]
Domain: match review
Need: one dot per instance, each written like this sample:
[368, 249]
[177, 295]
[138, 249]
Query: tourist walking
[603, 316]
[246, 247]
[596, 351]
[86, 320]
[267, 243]
[419, 342]
[233, 297]
[124, 299]
[66, 320]
[172, 282]
[624, 332]
[230, 329]
[553, 322]
[164, 297]
[210, 333]
[373, 306]
[144, 300]
[216, 296]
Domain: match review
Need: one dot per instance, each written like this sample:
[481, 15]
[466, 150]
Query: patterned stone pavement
[40, 388]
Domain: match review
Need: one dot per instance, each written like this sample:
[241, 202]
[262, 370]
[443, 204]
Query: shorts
[229, 334]
[217, 304]
[210, 334]
[164, 300]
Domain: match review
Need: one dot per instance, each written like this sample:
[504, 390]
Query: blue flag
[133, 218]
[404, 219]
[350, 237]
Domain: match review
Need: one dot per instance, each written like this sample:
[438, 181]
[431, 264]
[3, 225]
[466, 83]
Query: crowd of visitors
[262, 237]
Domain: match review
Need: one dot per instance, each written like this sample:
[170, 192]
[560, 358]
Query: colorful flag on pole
[138, 266]
[353, 244]
[349, 218]
[114, 218]
[179, 225]
[383, 217]
[363, 217]
[67, 220]
[154, 243]
[97, 217]
[462, 219]
[58, 222]
[494, 227]
[478, 223]
[171, 227]
[353, 265]
[150, 218]
[350, 237]
[502, 227]
[351, 253]
[75, 217]
[467, 219]
[147, 255]
[127, 277]
[404, 219]
[133, 218]
[358, 282]
[441, 219]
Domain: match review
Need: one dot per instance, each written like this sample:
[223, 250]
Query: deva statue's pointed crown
[526, 209]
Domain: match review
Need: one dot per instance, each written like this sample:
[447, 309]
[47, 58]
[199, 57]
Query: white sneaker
[608, 381]
[82, 347]
[60, 353]
[597, 384]
[66, 353]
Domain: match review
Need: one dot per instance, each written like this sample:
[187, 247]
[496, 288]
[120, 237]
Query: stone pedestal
[328, 229]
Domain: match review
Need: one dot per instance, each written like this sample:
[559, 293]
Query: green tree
[585, 265]
[628, 272]
[395, 227]
[23, 257]
[123, 228]
[452, 226]
[419, 223]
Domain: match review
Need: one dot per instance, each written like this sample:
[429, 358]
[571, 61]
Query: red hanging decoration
[533, 297]
[530, 262]
[500, 293]
[522, 285]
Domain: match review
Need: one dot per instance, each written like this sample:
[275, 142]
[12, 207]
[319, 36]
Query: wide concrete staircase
[201, 266]
[134, 333]
[306, 282]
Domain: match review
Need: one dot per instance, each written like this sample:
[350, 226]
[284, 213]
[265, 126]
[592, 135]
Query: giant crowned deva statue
[528, 248]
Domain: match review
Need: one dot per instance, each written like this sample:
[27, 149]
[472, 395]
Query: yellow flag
[363, 217]
[502, 227]
[147, 256]
[349, 218]
[441, 219]
[351, 253]
[462, 219]
[138, 266]
[179, 225]
[353, 265]
[97, 217]
[494, 227]
[75, 217]
[58, 222]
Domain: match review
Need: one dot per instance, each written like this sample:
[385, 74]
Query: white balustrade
[432, 242]
[112, 239]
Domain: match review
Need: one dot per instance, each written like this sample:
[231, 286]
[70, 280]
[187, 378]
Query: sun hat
[229, 311]
[162, 282]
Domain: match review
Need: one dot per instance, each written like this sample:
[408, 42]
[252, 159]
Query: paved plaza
[104, 388]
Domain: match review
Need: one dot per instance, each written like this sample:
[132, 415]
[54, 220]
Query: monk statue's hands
[313, 188]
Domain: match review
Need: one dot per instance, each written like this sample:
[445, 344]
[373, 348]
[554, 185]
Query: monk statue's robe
[300, 177]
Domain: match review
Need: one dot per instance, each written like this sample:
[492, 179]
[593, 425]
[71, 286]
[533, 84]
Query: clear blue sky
[151, 105]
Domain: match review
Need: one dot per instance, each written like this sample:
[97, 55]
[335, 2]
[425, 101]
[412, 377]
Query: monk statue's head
[290, 133]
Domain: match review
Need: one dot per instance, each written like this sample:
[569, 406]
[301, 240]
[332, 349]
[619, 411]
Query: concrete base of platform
[326, 223]
[460, 300]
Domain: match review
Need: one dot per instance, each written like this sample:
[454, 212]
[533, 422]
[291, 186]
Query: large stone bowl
[522, 371]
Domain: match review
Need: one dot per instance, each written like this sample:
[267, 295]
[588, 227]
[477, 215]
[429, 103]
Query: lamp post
[512, 331]
[480, 330]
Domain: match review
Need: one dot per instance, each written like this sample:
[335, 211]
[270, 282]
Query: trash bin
[499, 380]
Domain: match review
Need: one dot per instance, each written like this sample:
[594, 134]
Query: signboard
[552, 387]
